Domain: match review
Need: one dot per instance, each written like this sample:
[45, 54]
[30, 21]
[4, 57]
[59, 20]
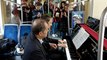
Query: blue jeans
[54, 27]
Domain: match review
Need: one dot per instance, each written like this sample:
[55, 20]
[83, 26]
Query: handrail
[94, 34]
[101, 35]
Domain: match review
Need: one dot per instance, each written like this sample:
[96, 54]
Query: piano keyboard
[67, 51]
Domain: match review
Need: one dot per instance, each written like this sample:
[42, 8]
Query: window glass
[1, 29]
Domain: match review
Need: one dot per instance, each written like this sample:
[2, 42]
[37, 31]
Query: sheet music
[80, 38]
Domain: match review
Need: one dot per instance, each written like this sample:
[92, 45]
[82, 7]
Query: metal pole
[48, 6]
[101, 35]
[79, 3]
[21, 14]
[68, 22]
[91, 8]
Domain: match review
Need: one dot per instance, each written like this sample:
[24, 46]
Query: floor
[18, 58]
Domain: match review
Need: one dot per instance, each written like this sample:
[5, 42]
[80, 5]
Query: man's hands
[53, 45]
[61, 43]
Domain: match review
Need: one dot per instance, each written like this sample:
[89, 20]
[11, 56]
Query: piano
[88, 50]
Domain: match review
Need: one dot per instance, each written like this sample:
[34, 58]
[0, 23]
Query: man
[33, 48]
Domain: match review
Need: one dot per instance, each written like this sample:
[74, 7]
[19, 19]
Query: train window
[1, 29]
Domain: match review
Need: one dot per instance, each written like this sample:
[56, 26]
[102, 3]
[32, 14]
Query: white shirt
[40, 40]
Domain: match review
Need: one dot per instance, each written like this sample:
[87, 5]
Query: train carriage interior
[81, 24]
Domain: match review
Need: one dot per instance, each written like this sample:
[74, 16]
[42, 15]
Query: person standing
[37, 12]
[15, 19]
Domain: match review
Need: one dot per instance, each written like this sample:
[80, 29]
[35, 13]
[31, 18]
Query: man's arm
[37, 55]
[50, 40]
[53, 43]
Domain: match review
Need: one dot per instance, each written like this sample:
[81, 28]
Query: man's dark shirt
[34, 49]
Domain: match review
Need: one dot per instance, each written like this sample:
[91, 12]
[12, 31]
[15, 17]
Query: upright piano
[89, 48]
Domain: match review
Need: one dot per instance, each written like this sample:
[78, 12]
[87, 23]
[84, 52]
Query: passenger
[37, 12]
[15, 19]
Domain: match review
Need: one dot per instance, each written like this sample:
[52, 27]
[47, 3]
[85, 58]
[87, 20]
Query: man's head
[48, 19]
[40, 28]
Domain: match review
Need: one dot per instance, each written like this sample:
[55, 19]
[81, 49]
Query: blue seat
[24, 30]
[11, 32]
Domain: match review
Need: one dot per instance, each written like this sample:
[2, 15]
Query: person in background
[51, 7]
[15, 19]
[38, 1]
[25, 10]
[37, 12]
[62, 4]
[31, 6]
[45, 7]
[64, 22]
[29, 10]
[48, 19]
[56, 20]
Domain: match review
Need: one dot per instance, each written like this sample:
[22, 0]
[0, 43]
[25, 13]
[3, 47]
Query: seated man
[34, 49]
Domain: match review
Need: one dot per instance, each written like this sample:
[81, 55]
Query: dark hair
[38, 25]
[46, 17]
[38, 4]
[63, 2]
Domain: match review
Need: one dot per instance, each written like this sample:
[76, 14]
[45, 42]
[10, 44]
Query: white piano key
[67, 51]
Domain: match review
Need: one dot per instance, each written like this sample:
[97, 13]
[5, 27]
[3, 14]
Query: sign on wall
[77, 18]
